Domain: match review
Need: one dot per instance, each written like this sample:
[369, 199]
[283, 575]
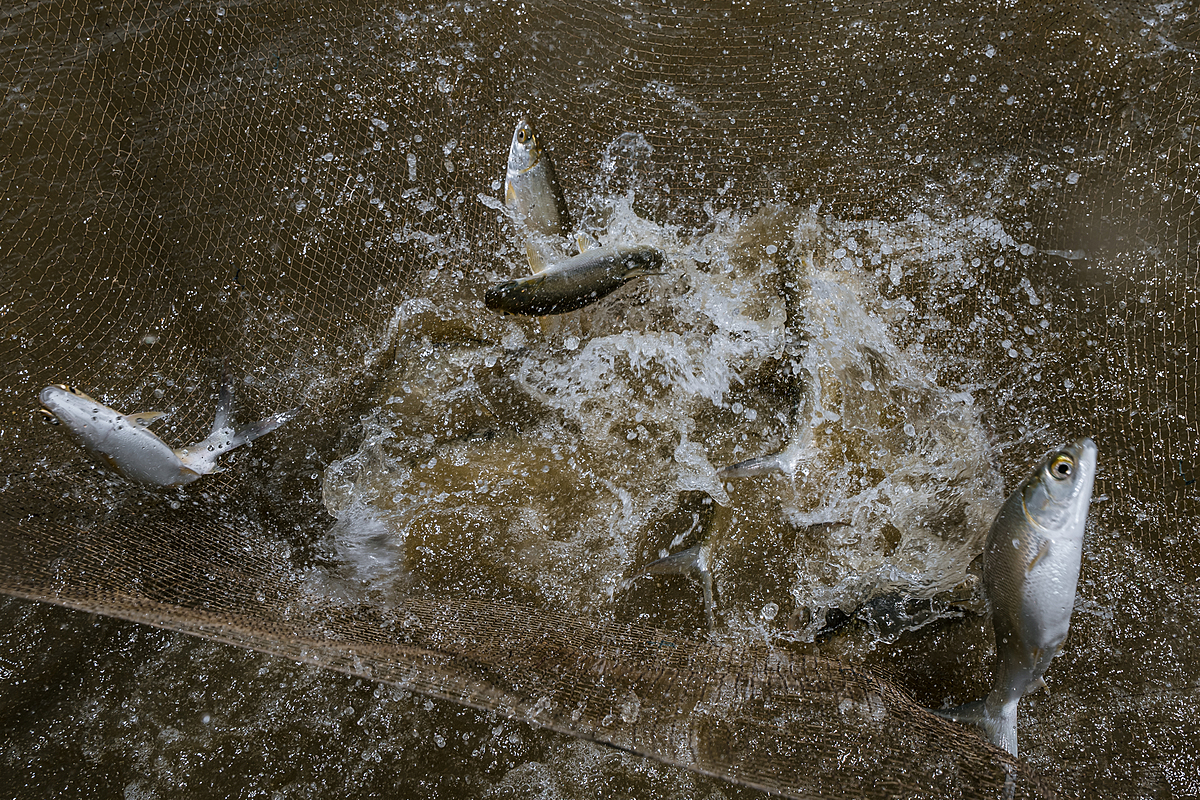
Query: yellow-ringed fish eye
[525, 134]
[1062, 467]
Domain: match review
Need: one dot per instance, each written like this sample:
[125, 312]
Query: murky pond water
[906, 254]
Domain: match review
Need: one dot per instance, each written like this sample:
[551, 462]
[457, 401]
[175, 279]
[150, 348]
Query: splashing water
[552, 460]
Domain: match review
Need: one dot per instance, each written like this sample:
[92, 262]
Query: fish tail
[224, 404]
[973, 713]
[691, 561]
[1000, 726]
[252, 432]
[685, 562]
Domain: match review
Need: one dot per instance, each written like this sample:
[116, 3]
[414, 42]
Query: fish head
[68, 405]
[1057, 494]
[526, 149]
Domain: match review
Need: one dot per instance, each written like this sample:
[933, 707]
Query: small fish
[124, 443]
[692, 562]
[1030, 569]
[574, 282]
[789, 459]
[534, 199]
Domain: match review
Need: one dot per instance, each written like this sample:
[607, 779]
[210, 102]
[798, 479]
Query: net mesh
[263, 184]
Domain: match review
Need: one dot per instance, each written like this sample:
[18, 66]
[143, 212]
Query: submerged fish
[574, 282]
[124, 443]
[691, 562]
[1030, 569]
[534, 199]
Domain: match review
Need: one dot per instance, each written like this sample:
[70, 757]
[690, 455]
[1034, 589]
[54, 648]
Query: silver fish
[534, 199]
[124, 443]
[1030, 569]
[574, 282]
[691, 562]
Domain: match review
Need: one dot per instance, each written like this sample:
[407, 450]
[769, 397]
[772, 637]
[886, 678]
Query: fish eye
[524, 135]
[1062, 467]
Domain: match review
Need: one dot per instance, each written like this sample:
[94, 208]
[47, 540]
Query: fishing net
[992, 202]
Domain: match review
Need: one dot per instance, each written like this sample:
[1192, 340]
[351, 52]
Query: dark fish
[574, 282]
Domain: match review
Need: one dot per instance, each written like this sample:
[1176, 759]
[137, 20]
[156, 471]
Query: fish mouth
[48, 416]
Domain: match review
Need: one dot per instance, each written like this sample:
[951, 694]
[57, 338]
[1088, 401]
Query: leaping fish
[534, 199]
[574, 282]
[1030, 569]
[124, 442]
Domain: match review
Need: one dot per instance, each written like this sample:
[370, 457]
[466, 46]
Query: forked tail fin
[252, 432]
[968, 713]
[224, 404]
[691, 561]
[999, 725]
[1001, 728]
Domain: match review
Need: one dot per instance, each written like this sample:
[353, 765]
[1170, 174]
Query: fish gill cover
[908, 247]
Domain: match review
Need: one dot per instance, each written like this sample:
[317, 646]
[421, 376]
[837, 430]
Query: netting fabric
[987, 206]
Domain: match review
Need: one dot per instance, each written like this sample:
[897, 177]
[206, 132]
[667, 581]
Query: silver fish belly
[124, 443]
[534, 199]
[574, 282]
[1030, 571]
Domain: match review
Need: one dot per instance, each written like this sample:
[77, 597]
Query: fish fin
[585, 241]
[1000, 729]
[1040, 683]
[691, 561]
[142, 419]
[536, 262]
[252, 432]
[973, 713]
[1042, 552]
[224, 404]
[685, 562]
